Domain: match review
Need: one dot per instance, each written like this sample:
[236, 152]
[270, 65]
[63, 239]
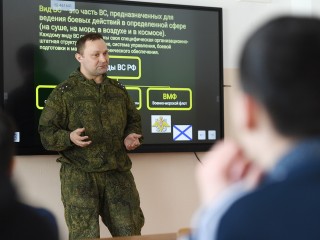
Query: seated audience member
[18, 220]
[265, 183]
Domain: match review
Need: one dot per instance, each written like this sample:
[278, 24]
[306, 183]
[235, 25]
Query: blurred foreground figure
[265, 184]
[17, 220]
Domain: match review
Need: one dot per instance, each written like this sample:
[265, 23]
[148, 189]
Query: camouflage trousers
[112, 195]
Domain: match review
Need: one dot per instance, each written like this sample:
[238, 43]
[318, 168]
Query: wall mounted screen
[168, 56]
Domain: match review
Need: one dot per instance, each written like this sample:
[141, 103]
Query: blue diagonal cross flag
[182, 132]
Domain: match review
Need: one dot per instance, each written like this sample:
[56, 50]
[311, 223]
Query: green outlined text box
[124, 62]
[38, 94]
[173, 99]
[131, 90]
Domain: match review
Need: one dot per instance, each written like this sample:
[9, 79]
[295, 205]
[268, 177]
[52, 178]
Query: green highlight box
[131, 88]
[176, 90]
[37, 94]
[128, 77]
[53, 86]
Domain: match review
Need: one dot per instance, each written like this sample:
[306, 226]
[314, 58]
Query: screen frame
[144, 148]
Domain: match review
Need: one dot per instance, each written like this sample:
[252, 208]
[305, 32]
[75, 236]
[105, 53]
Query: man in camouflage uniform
[91, 121]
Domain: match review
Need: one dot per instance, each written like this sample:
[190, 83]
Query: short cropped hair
[280, 67]
[88, 37]
[7, 148]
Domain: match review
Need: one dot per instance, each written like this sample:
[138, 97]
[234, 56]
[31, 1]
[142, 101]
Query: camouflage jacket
[105, 110]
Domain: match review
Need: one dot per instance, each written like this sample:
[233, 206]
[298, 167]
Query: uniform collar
[302, 158]
[82, 78]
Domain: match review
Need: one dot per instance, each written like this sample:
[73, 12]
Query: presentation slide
[169, 58]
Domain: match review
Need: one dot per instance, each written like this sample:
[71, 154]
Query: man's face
[94, 59]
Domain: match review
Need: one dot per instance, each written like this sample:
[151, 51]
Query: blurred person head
[279, 101]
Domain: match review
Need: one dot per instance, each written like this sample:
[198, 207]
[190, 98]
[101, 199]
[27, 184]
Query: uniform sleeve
[133, 118]
[53, 124]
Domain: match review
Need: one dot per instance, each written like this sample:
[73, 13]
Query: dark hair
[280, 67]
[88, 37]
[7, 148]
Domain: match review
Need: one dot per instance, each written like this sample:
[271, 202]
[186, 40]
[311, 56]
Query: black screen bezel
[177, 147]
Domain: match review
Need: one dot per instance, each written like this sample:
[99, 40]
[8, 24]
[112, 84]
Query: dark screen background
[195, 66]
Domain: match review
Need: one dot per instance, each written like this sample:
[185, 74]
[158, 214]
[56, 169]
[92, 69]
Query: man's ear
[78, 57]
[251, 112]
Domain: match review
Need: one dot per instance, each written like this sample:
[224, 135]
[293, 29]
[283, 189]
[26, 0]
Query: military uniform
[95, 180]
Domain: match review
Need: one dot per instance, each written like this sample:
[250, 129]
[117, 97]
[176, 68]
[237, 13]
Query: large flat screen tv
[168, 56]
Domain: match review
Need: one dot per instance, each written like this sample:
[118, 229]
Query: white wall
[165, 180]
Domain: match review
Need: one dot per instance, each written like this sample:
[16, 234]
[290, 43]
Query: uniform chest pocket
[115, 109]
[87, 112]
